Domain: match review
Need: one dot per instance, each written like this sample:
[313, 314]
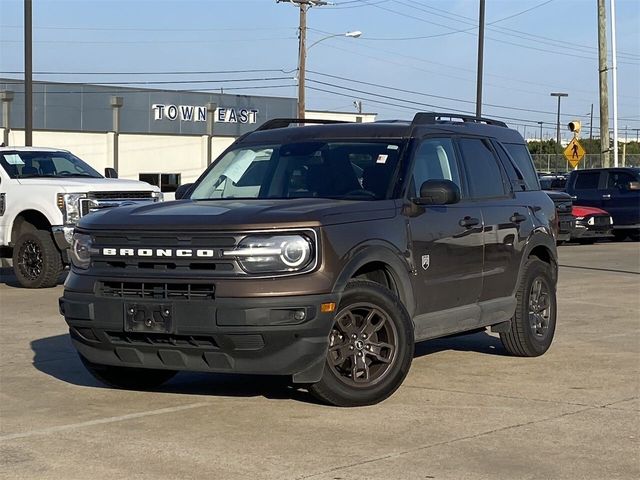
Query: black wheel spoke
[373, 322]
[382, 352]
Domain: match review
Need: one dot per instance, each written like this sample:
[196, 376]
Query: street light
[559, 95]
[302, 62]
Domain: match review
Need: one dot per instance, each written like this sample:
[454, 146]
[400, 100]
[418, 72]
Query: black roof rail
[431, 118]
[285, 122]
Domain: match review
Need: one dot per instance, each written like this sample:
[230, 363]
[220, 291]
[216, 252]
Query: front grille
[157, 291]
[120, 195]
[161, 339]
[601, 221]
[563, 206]
[133, 266]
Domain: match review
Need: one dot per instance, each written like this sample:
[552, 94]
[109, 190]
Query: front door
[446, 240]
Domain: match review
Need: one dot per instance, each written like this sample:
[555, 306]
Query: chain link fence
[550, 162]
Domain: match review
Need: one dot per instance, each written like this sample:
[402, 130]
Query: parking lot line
[101, 421]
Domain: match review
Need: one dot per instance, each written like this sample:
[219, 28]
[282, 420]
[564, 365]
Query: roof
[390, 129]
[31, 149]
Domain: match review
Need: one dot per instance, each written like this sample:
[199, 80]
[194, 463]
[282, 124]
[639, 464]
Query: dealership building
[165, 137]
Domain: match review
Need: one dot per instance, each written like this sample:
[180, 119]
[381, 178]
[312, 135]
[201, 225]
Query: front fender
[393, 260]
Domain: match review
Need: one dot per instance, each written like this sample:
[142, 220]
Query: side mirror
[438, 192]
[634, 186]
[183, 190]
[110, 172]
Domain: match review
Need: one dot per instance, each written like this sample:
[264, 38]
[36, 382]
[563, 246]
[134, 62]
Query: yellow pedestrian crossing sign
[574, 152]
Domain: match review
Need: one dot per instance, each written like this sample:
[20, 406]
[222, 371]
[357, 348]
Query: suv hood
[86, 184]
[238, 214]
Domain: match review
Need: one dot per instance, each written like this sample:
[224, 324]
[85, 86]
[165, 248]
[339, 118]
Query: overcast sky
[413, 54]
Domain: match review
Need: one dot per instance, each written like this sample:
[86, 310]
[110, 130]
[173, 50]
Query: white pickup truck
[43, 194]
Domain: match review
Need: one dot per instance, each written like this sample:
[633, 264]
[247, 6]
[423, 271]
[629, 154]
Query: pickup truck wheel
[370, 347]
[36, 260]
[128, 378]
[534, 323]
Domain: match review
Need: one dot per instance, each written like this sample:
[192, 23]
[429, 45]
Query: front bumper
[582, 230]
[235, 335]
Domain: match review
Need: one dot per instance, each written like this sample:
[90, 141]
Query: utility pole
[540, 123]
[558, 145]
[636, 130]
[614, 80]
[480, 60]
[304, 6]
[591, 124]
[28, 74]
[604, 89]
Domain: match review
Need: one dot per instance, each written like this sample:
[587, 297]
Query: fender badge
[425, 262]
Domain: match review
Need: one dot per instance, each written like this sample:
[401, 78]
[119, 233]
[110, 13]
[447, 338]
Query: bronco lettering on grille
[158, 252]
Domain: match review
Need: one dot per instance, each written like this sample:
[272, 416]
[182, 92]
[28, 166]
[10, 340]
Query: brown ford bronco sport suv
[323, 253]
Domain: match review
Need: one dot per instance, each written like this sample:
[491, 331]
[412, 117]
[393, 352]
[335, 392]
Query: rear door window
[587, 180]
[482, 169]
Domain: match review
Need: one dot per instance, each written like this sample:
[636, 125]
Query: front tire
[370, 347]
[128, 378]
[37, 262]
[534, 323]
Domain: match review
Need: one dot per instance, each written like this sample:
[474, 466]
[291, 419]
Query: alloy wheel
[362, 345]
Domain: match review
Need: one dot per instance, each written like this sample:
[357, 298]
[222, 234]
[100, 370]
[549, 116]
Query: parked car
[323, 253]
[44, 192]
[553, 182]
[591, 224]
[615, 190]
[566, 220]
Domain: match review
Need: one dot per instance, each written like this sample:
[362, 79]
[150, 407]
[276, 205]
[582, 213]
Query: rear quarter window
[520, 155]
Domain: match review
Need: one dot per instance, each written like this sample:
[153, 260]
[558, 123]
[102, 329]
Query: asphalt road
[466, 410]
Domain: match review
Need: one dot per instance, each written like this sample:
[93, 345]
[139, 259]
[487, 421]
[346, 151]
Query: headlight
[81, 250]
[157, 196]
[273, 253]
[69, 205]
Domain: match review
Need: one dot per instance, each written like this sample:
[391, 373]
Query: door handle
[468, 222]
[606, 196]
[517, 218]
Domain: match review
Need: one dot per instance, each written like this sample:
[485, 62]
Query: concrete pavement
[466, 410]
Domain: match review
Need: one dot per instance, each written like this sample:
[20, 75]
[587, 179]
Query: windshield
[343, 170]
[45, 164]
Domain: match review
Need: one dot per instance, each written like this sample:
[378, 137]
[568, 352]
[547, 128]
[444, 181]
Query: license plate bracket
[148, 317]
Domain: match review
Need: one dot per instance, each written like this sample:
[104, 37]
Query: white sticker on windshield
[240, 165]
[13, 159]
[382, 159]
[392, 147]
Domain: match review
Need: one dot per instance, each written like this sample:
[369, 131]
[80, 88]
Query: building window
[168, 182]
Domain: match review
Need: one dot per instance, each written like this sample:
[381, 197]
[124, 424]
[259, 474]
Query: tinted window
[515, 176]
[520, 155]
[434, 160]
[587, 180]
[483, 172]
[620, 180]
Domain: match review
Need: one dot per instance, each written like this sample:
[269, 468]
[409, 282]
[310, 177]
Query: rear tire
[534, 323]
[128, 378]
[37, 262]
[370, 350]
[620, 235]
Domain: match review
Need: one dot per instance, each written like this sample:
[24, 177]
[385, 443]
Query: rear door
[507, 223]
[622, 203]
